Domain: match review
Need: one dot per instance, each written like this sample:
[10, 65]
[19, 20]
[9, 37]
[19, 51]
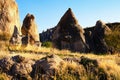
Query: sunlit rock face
[9, 17]
[29, 30]
[69, 34]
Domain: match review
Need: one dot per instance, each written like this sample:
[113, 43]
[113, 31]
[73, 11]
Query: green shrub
[47, 44]
[113, 40]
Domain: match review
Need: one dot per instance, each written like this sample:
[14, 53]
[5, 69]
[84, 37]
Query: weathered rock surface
[102, 29]
[46, 36]
[98, 35]
[69, 34]
[29, 29]
[48, 66]
[9, 17]
[18, 67]
[6, 64]
[16, 38]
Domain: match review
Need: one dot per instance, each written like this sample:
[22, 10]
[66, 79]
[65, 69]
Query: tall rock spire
[100, 30]
[29, 29]
[69, 34]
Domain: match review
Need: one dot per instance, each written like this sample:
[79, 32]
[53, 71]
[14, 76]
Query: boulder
[69, 34]
[48, 66]
[22, 68]
[6, 64]
[9, 17]
[99, 44]
[29, 29]
[18, 67]
[18, 58]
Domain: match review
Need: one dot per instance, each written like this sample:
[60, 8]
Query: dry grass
[70, 70]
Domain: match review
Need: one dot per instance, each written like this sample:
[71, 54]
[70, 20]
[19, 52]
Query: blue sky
[48, 12]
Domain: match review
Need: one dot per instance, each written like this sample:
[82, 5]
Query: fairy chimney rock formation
[101, 26]
[69, 34]
[9, 17]
[29, 30]
[16, 37]
[100, 30]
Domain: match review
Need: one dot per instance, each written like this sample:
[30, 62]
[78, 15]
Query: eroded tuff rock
[48, 66]
[69, 34]
[46, 36]
[18, 67]
[99, 44]
[16, 37]
[6, 64]
[22, 68]
[29, 30]
[9, 17]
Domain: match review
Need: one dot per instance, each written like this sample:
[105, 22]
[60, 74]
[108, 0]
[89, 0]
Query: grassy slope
[113, 39]
[108, 63]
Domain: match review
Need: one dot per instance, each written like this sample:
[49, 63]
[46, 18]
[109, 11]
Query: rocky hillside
[101, 38]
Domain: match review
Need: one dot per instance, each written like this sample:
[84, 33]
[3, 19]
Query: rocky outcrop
[16, 38]
[99, 44]
[53, 67]
[29, 30]
[21, 68]
[46, 36]
[6, 64]
[9, 17]
[48, 67]
[69, 34]
[17, 67]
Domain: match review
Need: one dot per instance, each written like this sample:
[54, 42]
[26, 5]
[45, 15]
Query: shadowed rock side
[29, 30]
[46, 35]
[21, 68]
[47, 67]
[9, 17]
[18, 67]
[16, 38]
[95, 37]
[69, 34]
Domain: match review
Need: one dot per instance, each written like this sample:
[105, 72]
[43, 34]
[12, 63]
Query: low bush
[47, 44]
